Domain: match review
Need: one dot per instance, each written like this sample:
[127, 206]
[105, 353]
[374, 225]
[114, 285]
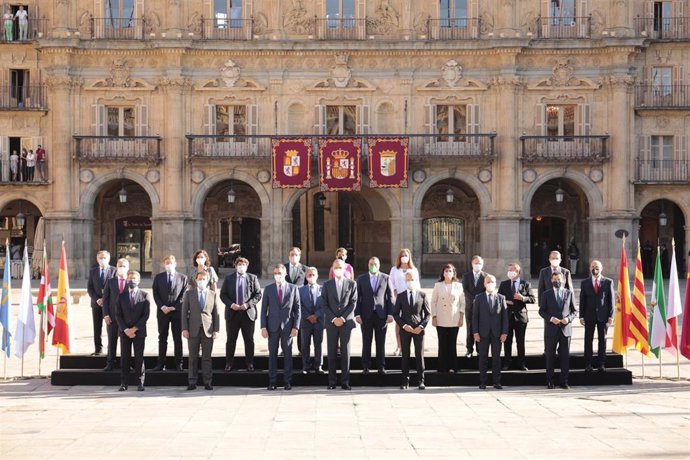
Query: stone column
[62, 13]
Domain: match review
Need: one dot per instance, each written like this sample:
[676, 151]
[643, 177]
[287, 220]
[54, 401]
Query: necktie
[313, 297]
[476, 278]
[240, 290]
[132, 297]
[102, 277]
[202, 300]
[515, 287]
[280, 294]
[169, 283]
[293, 269]
[122, 285]
[373, 283]
[558, 298]
[596, 286]
[411, 298]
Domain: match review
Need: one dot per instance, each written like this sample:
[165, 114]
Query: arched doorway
[560, 211]
[450, 226]
[18, 223]
[357, 221]
[232, 224]
[122, 213]
[661, 222]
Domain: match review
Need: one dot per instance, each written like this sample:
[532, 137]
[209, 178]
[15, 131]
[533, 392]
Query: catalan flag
[685, 333]
[622, 338]
[45, 306]
[657, 322]
[638, 319]
[61, 336]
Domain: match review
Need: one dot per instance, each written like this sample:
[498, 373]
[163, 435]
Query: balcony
[662, 97]
[478, 147]
[129, 149]
[661, 171]
[227, 29]
[657, 28]
[564, 149]
[117, 28]
[564, 27]
[23, 97]
[35, 29]
[453, 29]
[340, 28]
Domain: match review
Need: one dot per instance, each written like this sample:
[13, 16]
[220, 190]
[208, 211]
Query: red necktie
[122, 285]
[596, 286]
[280, 295]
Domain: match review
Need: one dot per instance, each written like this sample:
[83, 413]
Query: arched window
[444, 235]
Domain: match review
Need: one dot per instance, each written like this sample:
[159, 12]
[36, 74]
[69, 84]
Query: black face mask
[595, 272]
[132, 284]
[557, 284]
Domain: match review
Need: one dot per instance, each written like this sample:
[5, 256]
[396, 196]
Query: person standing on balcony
[22, 166]
[22, 17]
[30, 165]
[41, 163]
[14, 165]
[9, 24]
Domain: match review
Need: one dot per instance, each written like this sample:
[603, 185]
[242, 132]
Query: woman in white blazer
[447, 313]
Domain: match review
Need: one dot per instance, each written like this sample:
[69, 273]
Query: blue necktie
[240, 290]
[373, 283]
[103, 277]
[202, 300]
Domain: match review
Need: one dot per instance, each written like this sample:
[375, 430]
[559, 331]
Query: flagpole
[659, 362]
[4, 353]
[678, 364]
[642, 366]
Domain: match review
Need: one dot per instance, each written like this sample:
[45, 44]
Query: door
[546, 234]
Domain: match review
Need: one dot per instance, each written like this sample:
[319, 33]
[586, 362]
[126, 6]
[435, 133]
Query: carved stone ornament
[421, 24]
[62, 81]
[451, 73]
[297, 20]
[621, 81]
[263, 176]
[195, 24]
[385, 19]
[260, 24]
[562, 74]
[485, 175]
[341, 73]
[596, 175]
[84, 26]
[172, 82]
[153, 176]
[419, 176]
[198, 176]
[86, 176]
[230, 73]
[152, 23]
[119, 74]
[529, 175]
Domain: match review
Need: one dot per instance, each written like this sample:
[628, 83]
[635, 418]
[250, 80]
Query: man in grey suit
[280, 317]
[132, 312]
[490, 328]
[544, 283]
[472, 285]
[597, 301]
[339, 298]
[557, 307]
[168, 290]
[113, 288]
[311, 322]
[98, 278]
[200, 326]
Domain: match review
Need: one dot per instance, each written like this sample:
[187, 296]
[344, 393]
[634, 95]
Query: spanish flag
[638, 319]
[61, 337]
[622, 338]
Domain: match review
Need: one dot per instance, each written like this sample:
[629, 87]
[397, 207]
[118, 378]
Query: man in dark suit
[490, 329]
[200, 326]
[133, 307]
[311, 321]
[597, 300]
[295, 274]
[472, 284]
[374, 311]
[168, 290]
[113, 288]
[98, 277]
[517, 294]
[240, 294]
[338, 301]
[557, 307]
[545, 280]
[412, 313]
[280, 317]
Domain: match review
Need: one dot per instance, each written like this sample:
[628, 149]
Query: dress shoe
[191, 387]
[365, 371]
[482, 387]
[330, 387]
[564, 386]
[382, 371]
[468, 354]
[498, 386]
[272, 387]
[228, 368]
[140, 387]
[109, 367]
[506, 366]
[523, 368]
[123, 388]
[158, 368]
[588, 368]
[250, 368]
[601, 368]
[208, 387]
[319, 370]
[422, 386]
[97, 353]
[179, 368]
[397, 352]
[346, 387]
[550, 386]
[305, 372]
[452, 371]
[405, 383]
[288, 386]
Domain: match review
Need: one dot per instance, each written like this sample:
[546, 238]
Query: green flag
[657, 321]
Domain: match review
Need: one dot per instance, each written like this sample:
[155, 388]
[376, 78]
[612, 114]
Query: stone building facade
[532, 124]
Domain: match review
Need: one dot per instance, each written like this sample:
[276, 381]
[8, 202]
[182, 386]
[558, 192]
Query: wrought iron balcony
[23, 97]
[662, 171]
[137, 149]
[453, 29]
[227, 29]
[117, 28]
[657, 28]
[650, 96]
[564, 149]
[35, 29]
[564, 27]
[340, 28]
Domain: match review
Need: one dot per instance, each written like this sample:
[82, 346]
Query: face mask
[512, 275]
[477, 267]
[312, 280]
[103, 262]
[490, 287]
[555, 262]
[410, 285]
[202, 284]
[338, 272]
[294, 260]
[132, 284]
[201, 261]
[169, 268]
[278, 278]
[448, 274]
[404, 260]
[343, 258]
[373, 269]
[242, 269]
[595, 272]
[557, 284]
[122, 271]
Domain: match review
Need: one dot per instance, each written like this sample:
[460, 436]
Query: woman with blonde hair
[201, 262]
[447, 315]
[396, 282]
[341, 253]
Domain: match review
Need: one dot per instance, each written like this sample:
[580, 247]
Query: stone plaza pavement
[649, 419]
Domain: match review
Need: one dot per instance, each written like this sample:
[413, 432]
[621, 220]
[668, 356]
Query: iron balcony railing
[23, 97]
[35, 28]
[453, 29]
[662, 171]
[651, 96]
[140, 149]
[660, 28]
[565, 149]
[227, 29]
[564, 27]
[421, 146]
[340, 28]
[117, 28]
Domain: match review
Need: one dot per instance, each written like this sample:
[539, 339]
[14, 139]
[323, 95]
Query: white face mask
[512, 274]
[555, 262]
[490, 287]
[201, 260]
[103, 262]
[404, 259]
[312, 280]
[169, 268]
[294, 260]
[202, 284]
[448, 274]
[338, 272]
[410, 285]
[122, 271]
[242, 269]
[477, 267]
[278, 278]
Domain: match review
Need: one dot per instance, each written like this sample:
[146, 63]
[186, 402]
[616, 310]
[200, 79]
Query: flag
[61, 337]
[621, 329]
[673, 306]
[45, 306]
[657, 322]
[685, 334]
[6, 303]
[638, 318]
[25, 332]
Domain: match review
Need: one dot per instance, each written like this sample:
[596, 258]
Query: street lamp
[450, 196]
[322, 201]
[122, 194]
[663, 219]
[560, 194]
[232, 196]
[21, 219]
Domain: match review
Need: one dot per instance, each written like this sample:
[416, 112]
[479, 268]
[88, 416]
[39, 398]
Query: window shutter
[584, 127]
[319, 119]
[545, 14]
[430, 118]
[253, 126]
[680, 147]
[473, 119]
[210, 119]
[677, 85]
[582, 11]
[142, 121]
[362, 119]
[540, 120]
[645, 147]
[98, 120]
[678, 9]
[5, 158]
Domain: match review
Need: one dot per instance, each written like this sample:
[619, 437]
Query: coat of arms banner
[339, 164]
[291, 162]
[388, 162]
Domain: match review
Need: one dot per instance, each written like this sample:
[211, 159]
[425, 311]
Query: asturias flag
[6, 303]
[61, 336]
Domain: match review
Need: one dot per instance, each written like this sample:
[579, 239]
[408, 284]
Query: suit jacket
[470, 289]
[252, 295]
[487, 319]
[343, 307]
[300, 277]
[545, 280]
[597, 307]
[94, 286]
[110, 295]
[548, 308]
[166, 298]
[370, 302]
[276, 315]
[519, 307]
[194, 317]
[447, 307]
[308, 308]
[128, 315]
[412, 315]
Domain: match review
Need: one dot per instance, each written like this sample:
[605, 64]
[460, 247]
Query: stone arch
[88, 196]
[206, 186]
[662, 195]
[591, 191]
[477, 187]
[8, 198]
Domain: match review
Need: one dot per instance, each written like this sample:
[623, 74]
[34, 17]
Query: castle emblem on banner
[341, 166]
[291, 163]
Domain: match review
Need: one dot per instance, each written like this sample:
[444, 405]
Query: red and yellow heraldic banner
[339, 164]
[388, 162]
[291, 162]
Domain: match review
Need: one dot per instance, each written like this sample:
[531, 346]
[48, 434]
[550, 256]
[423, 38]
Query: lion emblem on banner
[291, 163]
[342, 166]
